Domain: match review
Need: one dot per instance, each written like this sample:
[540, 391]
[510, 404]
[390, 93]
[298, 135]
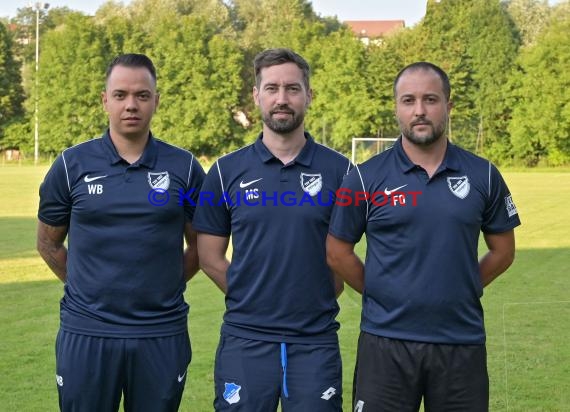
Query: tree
[117, 21]
[73, 62]
[384, 61]
[270, 23]
[261, 24]
[506, 107]
[25, 31]
[199, 83]
[21, 130]
[493, 47]
[11, 91]
[342, 107]
[443, 41]
[540, 125]
[194, 48]
[530, 17]
[475, 42]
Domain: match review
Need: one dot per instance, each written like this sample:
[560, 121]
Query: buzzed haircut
[427, 66]
[274, 57]
[131, 60]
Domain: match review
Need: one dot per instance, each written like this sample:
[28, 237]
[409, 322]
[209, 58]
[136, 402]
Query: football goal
[363, 148]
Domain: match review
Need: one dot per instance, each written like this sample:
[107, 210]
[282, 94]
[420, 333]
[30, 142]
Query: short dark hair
[131, 60]
[274, 57]
[429, 67]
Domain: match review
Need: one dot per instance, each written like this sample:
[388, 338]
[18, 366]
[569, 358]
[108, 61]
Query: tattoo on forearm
[52, 250]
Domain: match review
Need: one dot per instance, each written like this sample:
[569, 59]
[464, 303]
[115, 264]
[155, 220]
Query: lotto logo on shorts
[359, 407]
[59, 380]
[329, 393]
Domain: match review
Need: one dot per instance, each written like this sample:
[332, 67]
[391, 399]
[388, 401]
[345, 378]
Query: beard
[283, 126]
[437, 132]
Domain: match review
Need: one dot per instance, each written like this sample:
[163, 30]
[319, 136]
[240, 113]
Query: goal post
[370, 146]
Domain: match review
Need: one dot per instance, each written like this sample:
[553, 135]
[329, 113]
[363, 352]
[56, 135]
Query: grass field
[527, 309]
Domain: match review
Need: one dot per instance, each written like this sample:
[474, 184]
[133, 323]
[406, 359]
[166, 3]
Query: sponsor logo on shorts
[231, 394]
[59, 380]
[181, 377]
[329, 393]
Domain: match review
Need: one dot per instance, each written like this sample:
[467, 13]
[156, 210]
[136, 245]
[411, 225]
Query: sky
[411, 11]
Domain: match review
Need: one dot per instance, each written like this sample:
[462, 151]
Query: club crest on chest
[459, 186]
[160, 180]
[311, 183]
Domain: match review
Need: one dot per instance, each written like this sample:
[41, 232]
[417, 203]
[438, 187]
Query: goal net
[363, 148]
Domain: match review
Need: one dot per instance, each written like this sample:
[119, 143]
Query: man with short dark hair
[427, 200]
[279, 338]
[123, 316]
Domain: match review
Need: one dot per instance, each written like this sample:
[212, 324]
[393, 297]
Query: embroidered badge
[311, 183]
[159, 180]
[459, 186]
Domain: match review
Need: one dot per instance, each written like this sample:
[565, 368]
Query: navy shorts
[394, 375]
[254, 376]
[93, 372]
